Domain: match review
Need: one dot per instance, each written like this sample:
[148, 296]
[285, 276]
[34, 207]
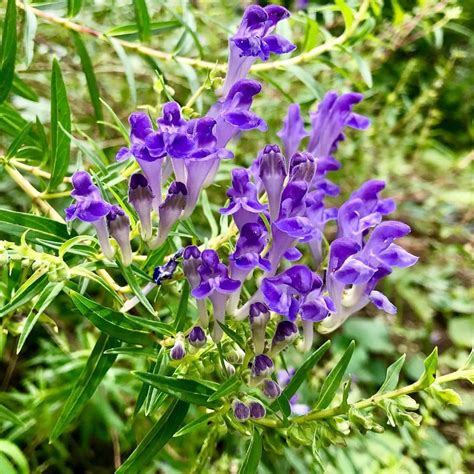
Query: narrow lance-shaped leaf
[8, 51]
[143, 19]
[60, 123]
[73, 7]
[29, 34]
[253, 455]
[429, 375]
[129, 74]
[155, 439]
[393, 373]
[183, 307]
[91, 79]
[333, 380]
[94, 371]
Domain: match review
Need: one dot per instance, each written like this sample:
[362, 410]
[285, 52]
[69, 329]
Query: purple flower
[302, 167]
[271, 389]
[232, 113]
[254, 39]
[119, 228]
[244, 205]
[140, 197]
[293, 131]
[90, 207]
[261, 368]
[241, 411]
[170, 211]
[216, 285]
[259, 315]
[178, 351]
[197, 337]
[362, 268]
[285, 333]
[271, 170]
[257, 410]
[328, 122]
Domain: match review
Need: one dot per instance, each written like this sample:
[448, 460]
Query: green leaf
[308, 80]
[110, 322]
[333, 380]
[130, 32]
[364, 68]
[91, 79]
[15, 454]
[155, 439]
[253, 455]
[18, 141]
[302, 373]
[196, 424]
[393, 373]
[211, 220]
[8, 51]
[8, 415]
[24, 90]
[188, 390]
[128, 69]
[429, 375]
[50, 291]
[33, 286]
[183, 307]
[143, 19]
[29, 34]
[237, 338]
[155, 326]
[73, 7]
[346, 11]
[94, 371]
[461, 330]
[60, 123]
[231, 385]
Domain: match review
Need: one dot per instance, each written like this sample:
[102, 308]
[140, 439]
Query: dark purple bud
[140, 197]
[286, 332]
[262, 367]
[259, 315]
[257, 410]
[241, 410]
[119, 228]
[302, 167]
[178, 351]
[293, 130]
[197, 336]
[271, 389]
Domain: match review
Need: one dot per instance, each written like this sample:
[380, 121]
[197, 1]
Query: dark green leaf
[8, 51]
[130, 32]
[233, 335]
[8, 415]
[333, 380]
[18, 141]
[391, 378]
[196, 424]
[143, 19]
[155, 326]
[132, 351]
[231, 385]
[183, 307]
[253, 455]
[110, 322]
[60, 123]
[155, 439]
[188, 390]
[73, 7]
[94, 371]
[91, 80]
[24, 90]
[50, 291]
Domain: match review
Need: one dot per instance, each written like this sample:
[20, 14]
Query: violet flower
[90, 207]
[252, 240]
[241, 411]
[170, 211]
[271, 170]
[261, 368]
[216, 285]
[285, 333]
[197, 337]
[119, 228]
[257, 410]
[259, 315]
[140, 196]
[178, 351]
[244, 205]
[191, 263]
[361, 268]
[253, 39]
[271, 389]
[293, 131]
[233, 114]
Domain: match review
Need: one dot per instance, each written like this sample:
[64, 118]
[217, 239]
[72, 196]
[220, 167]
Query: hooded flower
[360, 269]
[140, 196]
[254, 40]
[244, 205]
[216, 285]
[119, 228]
[293, 131]
[90, 207]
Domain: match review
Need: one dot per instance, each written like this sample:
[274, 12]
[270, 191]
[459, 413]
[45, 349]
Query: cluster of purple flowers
[277, 204]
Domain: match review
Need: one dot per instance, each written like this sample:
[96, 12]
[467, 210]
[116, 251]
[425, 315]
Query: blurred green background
[413, 61]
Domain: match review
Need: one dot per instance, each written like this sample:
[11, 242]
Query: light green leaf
[155, 439]
[128, 69]
[429, 375]
[73, 7]
[393, 373]
[60, 122]
[94, 371]
[29, 34]
[8, 51]
[206, 208]
[8, 415]
[15, 454]
[183, 307]
[143, 19]
[231, 385]
[130, 32]
[333, 380]
[196, 424]
[253, 455]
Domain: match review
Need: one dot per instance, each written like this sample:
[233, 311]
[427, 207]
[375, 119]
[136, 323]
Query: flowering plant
[230, 326]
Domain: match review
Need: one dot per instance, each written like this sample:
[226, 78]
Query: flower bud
[241, 411]
[235, 355]
[197, 337]
[271, 389]
[257, 410]
[229, 368]
[140, 197]
[119, 228]
[178, 351]
[259, 316]
[286, 332]
[261, 367]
